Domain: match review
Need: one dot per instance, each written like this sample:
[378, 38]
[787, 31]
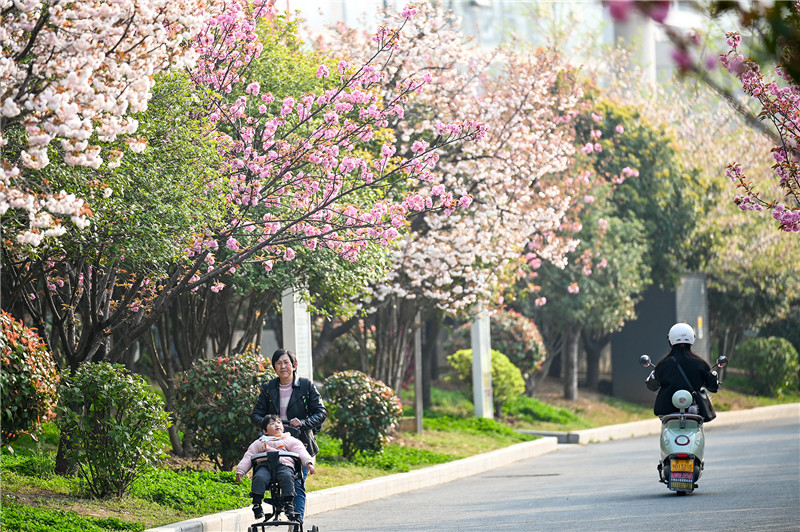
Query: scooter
[682, 439]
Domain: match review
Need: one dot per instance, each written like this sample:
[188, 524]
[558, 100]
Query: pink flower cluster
[305, 181]
[781, 104]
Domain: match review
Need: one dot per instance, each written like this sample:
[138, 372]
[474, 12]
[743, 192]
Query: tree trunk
[530, 383]
[63, 466]
[393, 334]
[328, 334]
[570, 366]
[430, 352]
[594, 343]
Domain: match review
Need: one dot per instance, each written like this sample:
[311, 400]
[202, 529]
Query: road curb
[377, 488]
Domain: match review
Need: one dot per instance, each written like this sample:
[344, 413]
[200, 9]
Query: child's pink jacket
[274, 443]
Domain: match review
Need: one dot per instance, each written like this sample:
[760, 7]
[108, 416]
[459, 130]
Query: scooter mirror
[722, 361]
[644, 360]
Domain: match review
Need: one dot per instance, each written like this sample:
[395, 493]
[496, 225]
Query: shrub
[364, 410]
[215, 397]
[110, 419]
[770, 363]
[28, 382]
[514, 335]
[507, 381]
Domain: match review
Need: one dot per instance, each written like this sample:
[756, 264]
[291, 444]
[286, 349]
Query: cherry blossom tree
[71, 73]
[294, 172]
[461, 262]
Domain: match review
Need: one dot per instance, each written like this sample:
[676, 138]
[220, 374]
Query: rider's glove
[652, 383]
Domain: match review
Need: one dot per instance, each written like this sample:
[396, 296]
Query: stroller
[273, 519]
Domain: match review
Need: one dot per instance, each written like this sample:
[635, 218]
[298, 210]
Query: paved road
[751, 482]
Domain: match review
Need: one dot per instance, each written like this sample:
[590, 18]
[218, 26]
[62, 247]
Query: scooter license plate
[681, 475]
[682, 465]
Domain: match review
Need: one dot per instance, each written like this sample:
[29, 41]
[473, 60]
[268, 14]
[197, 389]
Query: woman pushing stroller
[297, 400]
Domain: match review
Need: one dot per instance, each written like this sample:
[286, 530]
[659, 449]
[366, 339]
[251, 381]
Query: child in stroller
[272, 458]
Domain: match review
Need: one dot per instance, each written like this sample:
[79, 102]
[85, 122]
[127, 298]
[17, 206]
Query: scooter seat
[688, 417]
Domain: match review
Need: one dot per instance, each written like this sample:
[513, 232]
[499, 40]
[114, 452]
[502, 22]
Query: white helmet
[681, 333]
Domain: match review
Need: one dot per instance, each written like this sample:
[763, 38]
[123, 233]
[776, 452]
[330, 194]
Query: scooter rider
[668, 377]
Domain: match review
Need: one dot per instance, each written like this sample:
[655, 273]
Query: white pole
[296, 323]
[482, 366]
[418, 372]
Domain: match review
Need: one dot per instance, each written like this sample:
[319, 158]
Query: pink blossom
[419, 147]
[409, 11]
[288, 254]
[232, 244]
[659, 10]
[540, 301]
[588, 148]
[573, 288]
[602, 224]
[254, 88]
[620, 9]
[620, 129]
[322, 72]
[682, 59]
[217, 287]
[602, 264]
[630, 172]
[387, 151]
[331, 118]
[465, 201]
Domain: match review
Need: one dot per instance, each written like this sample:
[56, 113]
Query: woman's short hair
[280, 352]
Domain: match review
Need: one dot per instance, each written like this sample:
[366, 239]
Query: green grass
[532, 410]
[24, 518]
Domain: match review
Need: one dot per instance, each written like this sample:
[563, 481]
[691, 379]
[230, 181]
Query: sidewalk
[377, 488]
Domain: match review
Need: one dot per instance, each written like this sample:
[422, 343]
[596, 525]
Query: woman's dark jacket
[667, 374]
[305, 404]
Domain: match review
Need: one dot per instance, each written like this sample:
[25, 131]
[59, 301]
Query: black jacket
[667, 374]
[305, 404]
